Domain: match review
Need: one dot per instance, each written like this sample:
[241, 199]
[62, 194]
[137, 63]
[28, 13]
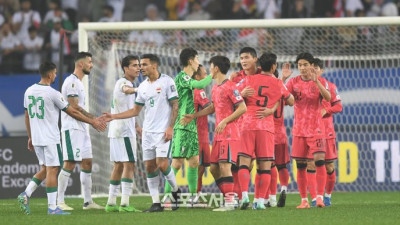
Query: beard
[85, 71]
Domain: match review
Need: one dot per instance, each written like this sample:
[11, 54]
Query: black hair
[318, 62]
[32, 28]
[276, 73]
[153, 58]
[267, 60]
[306, 56]
[46, 67]
[186, 55]
[249, 50]
[221, 62]
[127, 60]
[81, 55]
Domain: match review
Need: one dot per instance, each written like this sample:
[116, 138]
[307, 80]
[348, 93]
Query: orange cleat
[320, 202]
[304, 205]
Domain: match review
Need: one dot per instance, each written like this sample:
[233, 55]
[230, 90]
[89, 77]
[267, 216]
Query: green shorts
[185, 144]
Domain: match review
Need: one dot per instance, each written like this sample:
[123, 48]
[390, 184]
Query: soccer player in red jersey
[258, 128]
[308, 129]
[201, 102]
[228, 105]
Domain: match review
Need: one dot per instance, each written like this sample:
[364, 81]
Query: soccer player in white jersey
[42, 107]
[75, 135]
[159, 96]
[122, 136]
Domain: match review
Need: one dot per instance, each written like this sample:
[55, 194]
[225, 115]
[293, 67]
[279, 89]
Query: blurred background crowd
[31, 29]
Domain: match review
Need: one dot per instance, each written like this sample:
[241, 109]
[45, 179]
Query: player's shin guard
[153, 181]
[283, 175]
[330, 182]
[312, 184]
[199, 181]
[192, 175]
[227, 188]
[63, 178]
[263, 184]
[274, 181]
[321, 177]
[32, 186]
[126, 186]
[302, 179]
[244, 178]
[169, 176]
[86, 183]
[113, 192]
[51, 197]
[167, 187]
[236, 184]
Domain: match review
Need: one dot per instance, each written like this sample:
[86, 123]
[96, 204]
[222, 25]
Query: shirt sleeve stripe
[237, 103]
[175, 97]
[65, 109]
[72, 95]
[139, 103]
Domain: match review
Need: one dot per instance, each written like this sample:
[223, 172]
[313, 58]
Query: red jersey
[307, 107]
[269, 90]
[225, 97]
[241, 75]
[331, 107]
[200, 102]
[279, 124]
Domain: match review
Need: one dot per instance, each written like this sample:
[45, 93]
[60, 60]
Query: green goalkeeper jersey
[185, 86]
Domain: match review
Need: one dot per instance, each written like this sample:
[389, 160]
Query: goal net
[361, 56]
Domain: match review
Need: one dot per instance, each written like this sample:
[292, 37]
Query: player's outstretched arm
[189, 117]
[96, 123]
[28, 130]
[240, 110]
[247, 92]
[289, 101]
[286, 72]
[200, 84]
[174, 114]
[74, 103]
[107, 117]
[334, 108]
[129, 90]
[324, 92]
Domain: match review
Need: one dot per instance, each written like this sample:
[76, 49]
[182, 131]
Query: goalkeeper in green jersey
[185, 143]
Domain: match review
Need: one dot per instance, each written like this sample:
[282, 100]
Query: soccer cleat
[128, 208]
[313, 203]
[175, 202]
[93, 205]
[225, 208]
[327, 201]
[156, 207]
[267, 205]
[57, 211]
[304, 205]
[254, 206]
[64, 207]
[111, 208]
[260, 206]
[320, 202]
[23, 201]
[272, 202]
[282, 199]
[245, 203]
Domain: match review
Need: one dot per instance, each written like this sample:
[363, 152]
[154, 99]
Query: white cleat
[224, 209]
[64, 207]
[272, 202]
[93, 205]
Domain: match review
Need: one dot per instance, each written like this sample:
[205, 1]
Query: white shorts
[50, 155]
[76, 145]
[123, 149]
[154, 146]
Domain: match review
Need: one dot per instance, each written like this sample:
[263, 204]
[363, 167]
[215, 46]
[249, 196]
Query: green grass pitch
[347, 208]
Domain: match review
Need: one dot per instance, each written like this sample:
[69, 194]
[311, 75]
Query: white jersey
[155, 97]
[73, 87]
[122, 102]
[43, 104]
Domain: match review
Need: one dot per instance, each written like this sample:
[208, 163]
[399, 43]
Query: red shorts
[259, 143]
[224, 151]
[204, 154]
[306, 147]
[282, 154]
[331, 150]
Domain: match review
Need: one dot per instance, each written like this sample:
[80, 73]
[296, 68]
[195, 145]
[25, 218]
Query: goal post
[361, 56]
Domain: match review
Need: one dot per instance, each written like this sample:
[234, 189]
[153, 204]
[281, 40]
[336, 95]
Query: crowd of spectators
[30, 30]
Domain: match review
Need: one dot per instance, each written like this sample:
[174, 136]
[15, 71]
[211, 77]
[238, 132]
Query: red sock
[284, 177]
[302, 182]
[257, 186]
[227, 189]
[199, 182]
[321, 179]
[268, 192]
[244, 178]
[312, 183]
[236, 184]
[274, 181]
[330, 182]
[265, 181]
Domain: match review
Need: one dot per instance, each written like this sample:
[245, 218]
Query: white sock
[245, 194]
[328, 195]
[32, 186]
[153, 183]
[86, 183]
[284, 188]
[260, 201]
[320, 196]
[170, 177]
[63, 178]
[112, 198]
[272, 197]
[51, 199]
[126, 186]
[266, 201]
[314, 199]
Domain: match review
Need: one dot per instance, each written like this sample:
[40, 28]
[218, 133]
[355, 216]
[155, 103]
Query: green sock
[167, 187]
[192, 174]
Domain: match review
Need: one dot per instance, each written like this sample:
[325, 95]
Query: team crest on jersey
[173, 89]
[158, 90]
[237, 94]
[62, 99]
[73, 85]
[187, 78]
[327, 85]
[203, 95]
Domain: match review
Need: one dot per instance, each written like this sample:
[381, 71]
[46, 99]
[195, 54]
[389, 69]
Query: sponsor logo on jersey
[173, 89]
